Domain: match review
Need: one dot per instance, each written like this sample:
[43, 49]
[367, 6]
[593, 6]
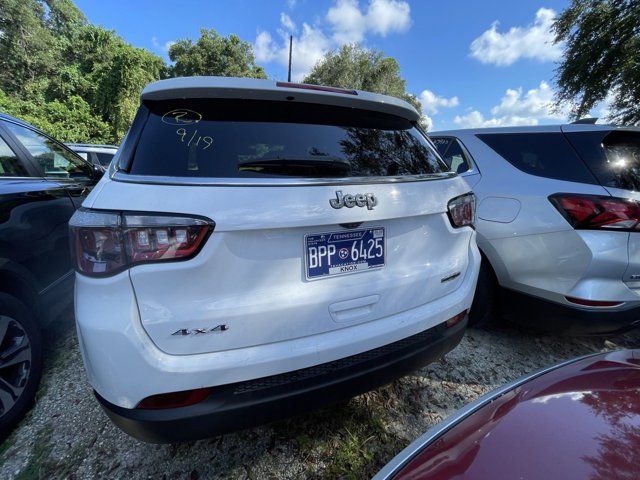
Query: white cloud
[517, 108]
[308, 48]
[386, 16]
[534, 42]
[431, 103]
[287, 23]
[345, 22]
[535, 103]
[163, 47]
[264, 49]
[427, 122]
[291, 3]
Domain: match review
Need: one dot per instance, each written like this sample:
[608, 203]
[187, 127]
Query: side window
[441, 143]
[10, 165]
[456, 159]
[54, 159]
[452, 153]
[543, 154]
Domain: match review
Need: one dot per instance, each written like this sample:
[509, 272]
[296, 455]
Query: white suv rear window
[247, 138]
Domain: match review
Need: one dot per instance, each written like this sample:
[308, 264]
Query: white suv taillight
[105, 243]
[462, 210]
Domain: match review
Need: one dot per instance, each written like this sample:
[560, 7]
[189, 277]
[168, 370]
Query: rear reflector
[595, 212]
[592, 303]
[456, 319]
[175, 399]
[318, 88]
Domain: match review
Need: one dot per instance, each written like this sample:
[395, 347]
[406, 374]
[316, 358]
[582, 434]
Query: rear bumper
[245, 404]
[549, 316]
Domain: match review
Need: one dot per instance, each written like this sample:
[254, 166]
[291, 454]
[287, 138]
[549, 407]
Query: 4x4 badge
[200, 331]
[368, 200]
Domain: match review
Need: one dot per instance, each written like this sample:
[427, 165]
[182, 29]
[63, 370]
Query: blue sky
[472, 63]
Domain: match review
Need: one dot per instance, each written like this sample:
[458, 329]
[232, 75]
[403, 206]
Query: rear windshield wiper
[327, 166]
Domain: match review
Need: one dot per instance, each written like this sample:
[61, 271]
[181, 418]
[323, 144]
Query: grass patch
[347, 441]
[42, 466]
[39, 461]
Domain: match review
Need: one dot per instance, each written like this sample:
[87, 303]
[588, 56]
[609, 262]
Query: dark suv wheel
[20, 361]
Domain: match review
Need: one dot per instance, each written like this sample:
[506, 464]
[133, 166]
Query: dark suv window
[55, 160]
[613, 156]
[231, 139]
[10, 166]
[547, 155]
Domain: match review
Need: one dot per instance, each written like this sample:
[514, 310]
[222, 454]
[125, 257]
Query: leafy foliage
[355, 67]
[82, 83]
[69, 120]
[214, 54]
[602, 57]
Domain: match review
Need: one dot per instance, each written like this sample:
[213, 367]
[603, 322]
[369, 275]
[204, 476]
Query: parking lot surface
[66, 435]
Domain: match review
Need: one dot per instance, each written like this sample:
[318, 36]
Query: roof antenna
[290, 52]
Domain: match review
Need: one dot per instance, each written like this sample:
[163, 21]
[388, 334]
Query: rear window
[104, 158]
[613, 156]
[547, 155]
[257, 139]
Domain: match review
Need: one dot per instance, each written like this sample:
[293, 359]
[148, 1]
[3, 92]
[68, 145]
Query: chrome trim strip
[120, 176]
[56, 282]
[392, 468]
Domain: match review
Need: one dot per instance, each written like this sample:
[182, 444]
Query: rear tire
[484, 306]
[20, 361]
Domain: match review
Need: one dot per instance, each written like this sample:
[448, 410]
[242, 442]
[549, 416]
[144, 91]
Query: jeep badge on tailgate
[360, 200]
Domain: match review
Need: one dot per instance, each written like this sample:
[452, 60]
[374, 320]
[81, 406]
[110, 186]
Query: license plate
[341, 253]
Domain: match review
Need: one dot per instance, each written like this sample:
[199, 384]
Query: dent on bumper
[245, 404]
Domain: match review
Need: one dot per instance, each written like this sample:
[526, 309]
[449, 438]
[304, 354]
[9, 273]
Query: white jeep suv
[259, 249]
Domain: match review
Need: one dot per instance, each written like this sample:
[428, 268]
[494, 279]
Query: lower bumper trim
[541, 314]
[247, 404]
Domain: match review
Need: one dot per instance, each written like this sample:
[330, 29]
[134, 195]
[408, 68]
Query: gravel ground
[66, 435]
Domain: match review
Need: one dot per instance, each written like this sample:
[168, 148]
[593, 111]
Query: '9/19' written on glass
[194, 139]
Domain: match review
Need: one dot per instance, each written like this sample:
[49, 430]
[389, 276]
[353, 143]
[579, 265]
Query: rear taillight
[598, 212]
[462, 210]
[105, 243]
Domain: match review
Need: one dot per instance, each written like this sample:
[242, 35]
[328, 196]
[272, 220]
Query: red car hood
[578, 420]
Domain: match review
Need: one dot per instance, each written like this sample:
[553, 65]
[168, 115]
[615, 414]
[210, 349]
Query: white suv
[558, 223]
[258, 249]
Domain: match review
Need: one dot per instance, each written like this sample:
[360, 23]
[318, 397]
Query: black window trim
[26, 160]
[27, 155]
[474, 166]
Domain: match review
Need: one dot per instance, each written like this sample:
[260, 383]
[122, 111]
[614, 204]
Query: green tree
[216, 55]
[355, 67]
[69, 120]
[26, 45]
[602, 57]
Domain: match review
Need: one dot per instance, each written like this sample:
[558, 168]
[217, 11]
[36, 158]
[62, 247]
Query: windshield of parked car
[247, 138]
